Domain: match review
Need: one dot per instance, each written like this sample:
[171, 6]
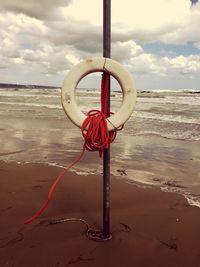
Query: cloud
[8, 48]
[3, 63]
[125, 51]
[53, 59]
[197, 45]
[147, 63]
[42, 9]
[186, 30]
[170, 22]
[85, 11]
[51, 36]
[82, 36]
[184, 65]
[143, 64]
[24, 41]
[16, 30]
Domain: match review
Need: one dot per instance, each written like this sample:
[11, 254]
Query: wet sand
[148, 159]
[149, 227]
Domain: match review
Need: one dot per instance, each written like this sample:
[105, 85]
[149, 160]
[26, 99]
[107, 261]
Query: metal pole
[106, 154]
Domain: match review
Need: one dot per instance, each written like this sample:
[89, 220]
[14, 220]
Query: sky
[158, 41]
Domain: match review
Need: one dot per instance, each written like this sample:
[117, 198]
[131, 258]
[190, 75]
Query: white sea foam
[186, 90]
[9, 94]
[192, 200]
[166, 117]
[181, 100]
[42, 105]
[35, 90]
[186, 135]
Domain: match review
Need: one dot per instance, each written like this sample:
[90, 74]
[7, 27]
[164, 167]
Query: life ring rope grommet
[99, 64]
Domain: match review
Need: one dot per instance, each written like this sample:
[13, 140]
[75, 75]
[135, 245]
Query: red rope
[50, 194]
[96, 135]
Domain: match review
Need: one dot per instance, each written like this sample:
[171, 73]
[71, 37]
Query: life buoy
[99, 64]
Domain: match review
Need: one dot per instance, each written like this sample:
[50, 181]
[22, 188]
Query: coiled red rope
[96, 135]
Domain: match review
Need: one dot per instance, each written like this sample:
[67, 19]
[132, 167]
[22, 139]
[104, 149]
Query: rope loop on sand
[92, 234]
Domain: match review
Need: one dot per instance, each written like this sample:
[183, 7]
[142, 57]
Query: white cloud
[17, 61]
[8, 48]
[19, 30]
[147, 63]
[124, 51]
[186, 65]
[51, 58]
[163, 66]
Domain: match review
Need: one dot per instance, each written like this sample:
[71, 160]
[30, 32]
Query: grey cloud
[86, 37]
[3, 63]
[42, 9]
[81, 36]
[121, 36]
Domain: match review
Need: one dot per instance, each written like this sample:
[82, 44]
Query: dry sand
[149, 227]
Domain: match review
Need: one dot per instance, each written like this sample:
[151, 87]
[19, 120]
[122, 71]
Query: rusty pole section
[106, 154]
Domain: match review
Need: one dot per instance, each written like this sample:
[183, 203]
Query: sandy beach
[149, 227]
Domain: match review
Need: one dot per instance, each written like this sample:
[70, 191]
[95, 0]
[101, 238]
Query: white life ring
[99, 64]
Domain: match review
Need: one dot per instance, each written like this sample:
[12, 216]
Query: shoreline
[120, 174]
[149, 227]
[162, 160]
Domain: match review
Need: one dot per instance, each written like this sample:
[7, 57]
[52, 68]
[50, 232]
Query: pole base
[96, 235]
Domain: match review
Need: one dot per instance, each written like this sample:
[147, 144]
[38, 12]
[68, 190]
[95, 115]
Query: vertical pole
[106, 154]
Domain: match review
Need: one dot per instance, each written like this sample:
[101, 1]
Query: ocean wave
[186, 90]
[19, 90]
[16, 94]
[181, 100]
[50, 106]
[186, 135]
[136, 114]
[164, 117]
[191, 199]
